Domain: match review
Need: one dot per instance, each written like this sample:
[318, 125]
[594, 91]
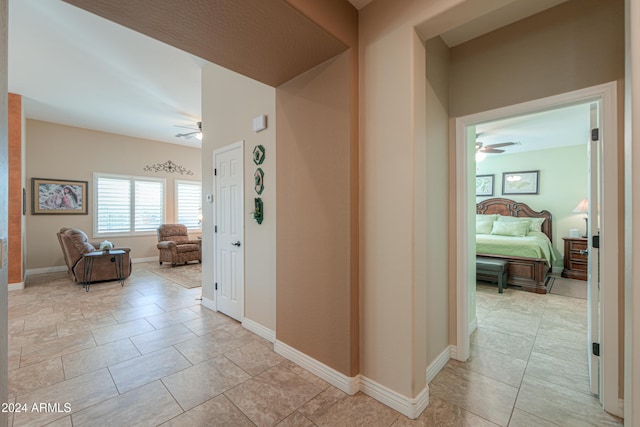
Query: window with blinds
[127, 205]
[188, 204]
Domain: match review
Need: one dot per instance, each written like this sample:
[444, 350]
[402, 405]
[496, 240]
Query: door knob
[237, 244]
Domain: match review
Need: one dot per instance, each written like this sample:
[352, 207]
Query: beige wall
[314, 215]
[549, 53]
[436, 211]
[65, 152]
[632, 216]
[4, 192]
[230, 101]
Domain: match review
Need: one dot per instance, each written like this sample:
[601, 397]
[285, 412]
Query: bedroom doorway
[605, 96]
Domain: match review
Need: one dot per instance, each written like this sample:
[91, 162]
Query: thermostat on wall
[259, 123]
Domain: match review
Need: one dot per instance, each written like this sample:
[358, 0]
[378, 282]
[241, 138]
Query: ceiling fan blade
[502, 144]
[488, 149]
[186, 135]
[187, 127]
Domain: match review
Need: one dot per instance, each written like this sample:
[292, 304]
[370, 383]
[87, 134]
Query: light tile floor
[148, 354]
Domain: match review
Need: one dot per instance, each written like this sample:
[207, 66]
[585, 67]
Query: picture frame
[484, 185]
[58, 197]
[523, 182]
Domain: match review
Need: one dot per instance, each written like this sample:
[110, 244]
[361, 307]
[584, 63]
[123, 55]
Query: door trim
[224, 149]
[607, 94]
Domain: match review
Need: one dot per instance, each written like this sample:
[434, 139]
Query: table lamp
[583, 207]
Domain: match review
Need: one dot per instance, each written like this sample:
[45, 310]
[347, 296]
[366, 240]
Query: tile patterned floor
[148, 354]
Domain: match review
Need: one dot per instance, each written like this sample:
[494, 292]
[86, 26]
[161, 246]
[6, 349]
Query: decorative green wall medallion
[259, 177]
[258, 210]
[258, 154]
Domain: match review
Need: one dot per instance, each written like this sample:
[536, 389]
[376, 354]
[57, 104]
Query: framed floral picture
[58, 197]
[526, 182]
[484, 185]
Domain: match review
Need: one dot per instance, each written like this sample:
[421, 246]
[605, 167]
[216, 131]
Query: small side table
[118, 256]
[575, 258]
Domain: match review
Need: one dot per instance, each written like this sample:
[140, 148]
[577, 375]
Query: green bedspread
[534, 245]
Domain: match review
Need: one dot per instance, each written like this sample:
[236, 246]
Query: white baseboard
[16, 286]
[258, 329]
[45, 270]
[411, 408]
[350, 385]
[141, 260]
[438, 363]
[454, 352]
[620, 408]
[473, 325]
[208, 303]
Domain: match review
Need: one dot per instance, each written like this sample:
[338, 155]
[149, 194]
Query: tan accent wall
[340, 19]
[314, 215]
[65, 152]
[4, 192]
[230, 101]
[16, 231]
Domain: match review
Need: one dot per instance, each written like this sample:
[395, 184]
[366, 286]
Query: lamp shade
[583, 206]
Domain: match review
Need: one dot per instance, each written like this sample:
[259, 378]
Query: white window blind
[149, 206]
[128, 205]
[188, 204]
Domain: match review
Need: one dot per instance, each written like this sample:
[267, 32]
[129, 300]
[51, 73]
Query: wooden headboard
[506, 207]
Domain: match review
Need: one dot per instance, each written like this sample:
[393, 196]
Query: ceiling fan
[197, 132]
[493, 148]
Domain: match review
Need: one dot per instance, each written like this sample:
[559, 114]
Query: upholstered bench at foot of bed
[492, 269]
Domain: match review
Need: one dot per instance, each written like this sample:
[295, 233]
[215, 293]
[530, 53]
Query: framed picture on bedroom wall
[484, 185]
[525, 182]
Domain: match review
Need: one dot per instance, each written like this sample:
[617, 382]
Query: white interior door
[229, 230]
[593, 272]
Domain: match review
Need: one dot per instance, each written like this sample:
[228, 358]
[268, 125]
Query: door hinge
[595, 242]
[595, 134]
[596, 347]
[215, 172]
[215, 228]
[216, 286]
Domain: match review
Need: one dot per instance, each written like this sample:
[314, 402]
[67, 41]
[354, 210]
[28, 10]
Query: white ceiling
[77, 69]
[561, 127]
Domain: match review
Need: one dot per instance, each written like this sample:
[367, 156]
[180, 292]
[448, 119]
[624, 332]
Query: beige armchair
[175, 247]
[74, 243]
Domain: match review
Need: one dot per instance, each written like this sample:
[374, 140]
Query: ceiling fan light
[480, 156]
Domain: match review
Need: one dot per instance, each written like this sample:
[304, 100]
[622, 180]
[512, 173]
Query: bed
[528, 258]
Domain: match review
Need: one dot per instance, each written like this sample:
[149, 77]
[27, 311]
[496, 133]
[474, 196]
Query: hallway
[147, 354]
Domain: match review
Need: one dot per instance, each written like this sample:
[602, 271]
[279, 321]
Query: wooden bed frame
[528, 273]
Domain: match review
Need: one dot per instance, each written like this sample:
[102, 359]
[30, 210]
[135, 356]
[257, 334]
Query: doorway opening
[606, 325]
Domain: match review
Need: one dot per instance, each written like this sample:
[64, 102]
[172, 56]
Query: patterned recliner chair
[175, 247]
[74, 243]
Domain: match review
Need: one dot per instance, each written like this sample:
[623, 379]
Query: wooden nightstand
[575, 259]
